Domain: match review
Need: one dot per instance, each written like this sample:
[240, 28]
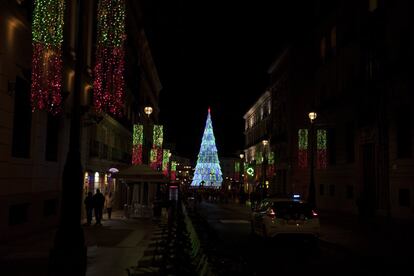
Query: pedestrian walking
[98, 204]
[89, 207]
[108, 202]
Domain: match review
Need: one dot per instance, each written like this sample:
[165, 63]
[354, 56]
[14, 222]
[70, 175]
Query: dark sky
[214, 53]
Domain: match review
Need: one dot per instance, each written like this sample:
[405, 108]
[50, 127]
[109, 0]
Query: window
[22, 120]
[50, 207]
[52, 138]
[321, 189]
[18, 213]
[404, 197]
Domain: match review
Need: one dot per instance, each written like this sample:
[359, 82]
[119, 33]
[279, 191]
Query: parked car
[274, 217]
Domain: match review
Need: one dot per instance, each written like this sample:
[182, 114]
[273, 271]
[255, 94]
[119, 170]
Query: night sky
[214, 53]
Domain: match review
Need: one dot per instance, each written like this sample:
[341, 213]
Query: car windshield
[292, 210]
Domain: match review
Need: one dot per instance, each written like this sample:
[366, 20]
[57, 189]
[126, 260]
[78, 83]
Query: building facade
[34, 145]
[352, 68]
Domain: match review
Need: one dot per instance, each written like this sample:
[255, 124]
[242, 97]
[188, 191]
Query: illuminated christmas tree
[208, 171]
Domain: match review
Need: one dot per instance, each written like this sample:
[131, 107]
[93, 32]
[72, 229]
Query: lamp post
[264, 166]
[68, 255]
[241, 171]
[147, 135]
[312, 191]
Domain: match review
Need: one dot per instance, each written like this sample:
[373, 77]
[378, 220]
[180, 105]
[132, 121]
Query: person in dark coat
[89, 207]
[98, 204]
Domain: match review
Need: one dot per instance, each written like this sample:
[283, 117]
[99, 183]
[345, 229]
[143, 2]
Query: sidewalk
[116, 245]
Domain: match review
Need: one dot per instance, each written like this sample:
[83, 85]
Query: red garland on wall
[109, 82]
[47, 64]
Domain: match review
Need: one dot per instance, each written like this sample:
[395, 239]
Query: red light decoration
[109, 82]
[47, 33]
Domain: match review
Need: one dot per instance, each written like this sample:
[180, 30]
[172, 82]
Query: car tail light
[314, 214]
[271, 213]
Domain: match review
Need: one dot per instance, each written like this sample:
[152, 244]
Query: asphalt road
[233, 250]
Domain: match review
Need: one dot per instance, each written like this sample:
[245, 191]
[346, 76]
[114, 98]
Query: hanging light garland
[165, 161]
[137, 142]
[173, 170]
[321, 149]
[109, 82]
[47, 64]
[158, 139]
[303, 148]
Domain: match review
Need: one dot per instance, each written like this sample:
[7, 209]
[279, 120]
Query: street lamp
[312, 192]
[264, 166]
[148, 110]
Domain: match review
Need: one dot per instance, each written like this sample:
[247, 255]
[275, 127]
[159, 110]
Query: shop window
[404, 197]
[18, 213]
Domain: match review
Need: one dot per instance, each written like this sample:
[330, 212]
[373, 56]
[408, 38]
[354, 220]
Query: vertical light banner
[303, 148]
[109, 80]
[47, 63]
[137, 144]
[158, 138]
[165, 161]
[237, 171]
[321, 146]
[271, 163]
[153, 159]
[173, 170]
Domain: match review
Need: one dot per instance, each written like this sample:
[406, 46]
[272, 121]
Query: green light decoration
[208, 169]
[173, 166]
[137, 143]
[47, 63]
[250, 171]
[173, 170]
[153, 156]
[259, 157]
[236, 171]
[158, 136]
[321, 146]
[270, 163]
[165, 161]
[303, 148]
[109, 81]
[157, 140]
[47, 25]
